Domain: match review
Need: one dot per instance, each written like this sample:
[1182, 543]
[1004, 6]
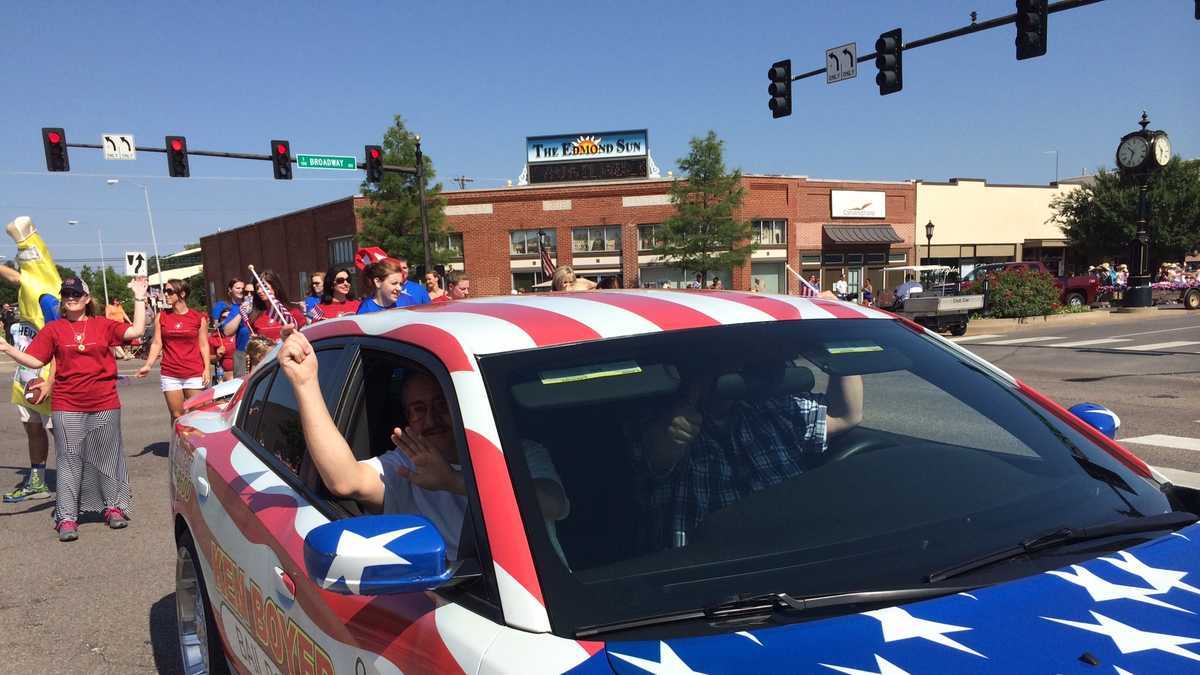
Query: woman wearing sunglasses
[85, 409]
[338, 297]
[181, 336]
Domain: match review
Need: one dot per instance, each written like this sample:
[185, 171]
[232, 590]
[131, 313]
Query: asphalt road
[105, 604]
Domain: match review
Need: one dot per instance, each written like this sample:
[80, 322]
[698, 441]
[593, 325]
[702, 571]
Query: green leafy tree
[392, 217]
[1101, 219]
[118, 284]
[704, 234]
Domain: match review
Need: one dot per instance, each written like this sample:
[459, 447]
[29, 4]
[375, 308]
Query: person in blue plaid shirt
[712, 452]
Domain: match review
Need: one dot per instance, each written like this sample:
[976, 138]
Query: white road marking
[1179, 477]
[1164, 330]
[1160, 346]
[1021, 341]
[1089, 343]
[1165, 441]
[972, 337]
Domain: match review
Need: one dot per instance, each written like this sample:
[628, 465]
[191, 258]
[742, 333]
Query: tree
[704, 233]
[392, 216]
[118, 284]
[1101, 219]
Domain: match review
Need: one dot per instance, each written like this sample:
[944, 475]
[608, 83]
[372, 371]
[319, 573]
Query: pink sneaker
[115, 518]
[67, 530]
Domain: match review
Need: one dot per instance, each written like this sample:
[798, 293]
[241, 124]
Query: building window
[525, 242]
[341, 250]
[810, 260]
[452, 243]
[650, 237]
[524, 282]
[769, 232]
[832, 259]
[898, 258]
[854, 258]
[606, 238]
[876, 258]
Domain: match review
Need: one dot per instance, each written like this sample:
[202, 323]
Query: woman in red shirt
[338, 297]
[264, 320]
[181, 336]
[85, 408]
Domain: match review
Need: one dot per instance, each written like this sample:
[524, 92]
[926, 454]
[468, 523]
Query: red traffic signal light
[177, 157]
[374, 155]
[54, 142]
[281, 159]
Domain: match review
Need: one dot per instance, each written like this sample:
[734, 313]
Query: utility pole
[462, 181]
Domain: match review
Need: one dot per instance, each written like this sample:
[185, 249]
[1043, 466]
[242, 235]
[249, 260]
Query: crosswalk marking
[972, 337]
[1159, 346]
[1022, 341]
[1165, 441]
[1179, 477]
[1090, 343]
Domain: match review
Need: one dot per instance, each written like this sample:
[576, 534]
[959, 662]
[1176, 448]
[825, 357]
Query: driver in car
[710, 451]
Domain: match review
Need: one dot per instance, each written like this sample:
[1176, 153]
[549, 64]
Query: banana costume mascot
[37, 301]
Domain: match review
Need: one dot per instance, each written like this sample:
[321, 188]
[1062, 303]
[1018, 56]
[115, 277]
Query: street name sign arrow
[135, 263]
[118, 146]
[841, 63]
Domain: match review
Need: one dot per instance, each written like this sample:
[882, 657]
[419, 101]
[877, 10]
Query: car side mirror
[1098, 417]
[377, 555]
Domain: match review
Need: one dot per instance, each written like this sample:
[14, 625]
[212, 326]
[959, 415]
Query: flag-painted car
[745, 482]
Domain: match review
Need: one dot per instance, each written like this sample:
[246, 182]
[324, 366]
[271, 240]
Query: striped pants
[91, 463]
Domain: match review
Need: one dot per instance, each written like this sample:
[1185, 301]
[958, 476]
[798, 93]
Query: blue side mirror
[1102, 419]
[377, 555]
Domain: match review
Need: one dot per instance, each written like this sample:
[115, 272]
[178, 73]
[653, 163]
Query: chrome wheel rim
[190, 615]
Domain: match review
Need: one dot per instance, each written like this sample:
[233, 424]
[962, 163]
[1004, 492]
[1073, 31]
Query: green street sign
[327, 162]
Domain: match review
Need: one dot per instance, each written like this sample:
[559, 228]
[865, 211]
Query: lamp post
[153, 236]
[103, 271]
[928, 241]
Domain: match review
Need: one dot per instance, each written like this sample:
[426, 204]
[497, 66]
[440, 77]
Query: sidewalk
[1095, 317]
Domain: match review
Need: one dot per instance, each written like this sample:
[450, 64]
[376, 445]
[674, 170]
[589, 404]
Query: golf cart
[940, 307]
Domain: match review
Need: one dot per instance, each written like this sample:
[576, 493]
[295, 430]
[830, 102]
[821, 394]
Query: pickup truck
[1074, 291]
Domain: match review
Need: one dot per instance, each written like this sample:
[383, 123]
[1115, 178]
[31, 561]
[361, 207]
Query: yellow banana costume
[39, 277]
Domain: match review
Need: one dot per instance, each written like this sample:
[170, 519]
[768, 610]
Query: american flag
[807, 290]
[547, 263]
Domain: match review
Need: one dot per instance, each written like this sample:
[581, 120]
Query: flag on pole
[544, 252]
[807, 290]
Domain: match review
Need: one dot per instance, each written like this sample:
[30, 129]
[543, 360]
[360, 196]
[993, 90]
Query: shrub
[1018, 293]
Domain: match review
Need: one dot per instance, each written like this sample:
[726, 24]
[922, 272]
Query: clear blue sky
[476, 78]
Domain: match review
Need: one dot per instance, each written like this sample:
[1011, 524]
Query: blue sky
[476, 78]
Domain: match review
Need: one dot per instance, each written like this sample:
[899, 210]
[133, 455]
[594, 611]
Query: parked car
[948, 519]
[1075, 291]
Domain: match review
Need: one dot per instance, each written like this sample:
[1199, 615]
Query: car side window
[279, 431]
[254, 402]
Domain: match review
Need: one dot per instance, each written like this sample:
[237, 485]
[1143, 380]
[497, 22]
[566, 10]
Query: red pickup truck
[1075, 291]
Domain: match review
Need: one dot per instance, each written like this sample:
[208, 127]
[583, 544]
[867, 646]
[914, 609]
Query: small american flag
[547, 263]
[316, 314]
[807, 290]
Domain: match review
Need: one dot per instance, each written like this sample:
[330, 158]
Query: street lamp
[153, 236]
[103, 273]
[928, 241]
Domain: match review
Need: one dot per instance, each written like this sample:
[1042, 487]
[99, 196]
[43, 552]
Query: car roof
[505, 323]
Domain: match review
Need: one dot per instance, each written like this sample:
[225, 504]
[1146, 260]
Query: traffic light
[177, 157]
[780, 88]
[374, 155]
[889, 53]
[1031, 28]
[54, 141]
[281, 159]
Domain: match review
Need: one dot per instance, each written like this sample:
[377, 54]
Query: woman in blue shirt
[384, 282]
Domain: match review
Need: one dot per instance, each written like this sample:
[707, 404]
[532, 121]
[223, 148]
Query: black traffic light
[281, 159]
[1031, 28]
[177, 157]
[374, 162]
[889, 56]
[54, 141]
[780, 88]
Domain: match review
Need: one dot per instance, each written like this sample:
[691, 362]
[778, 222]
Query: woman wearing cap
[86, 409]
[181, 336]
[338, 297]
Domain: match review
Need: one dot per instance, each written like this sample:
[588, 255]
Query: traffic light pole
[421, 205]
[1061, 6]
[387, 168]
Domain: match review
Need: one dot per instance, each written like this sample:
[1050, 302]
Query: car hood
[1132, 611]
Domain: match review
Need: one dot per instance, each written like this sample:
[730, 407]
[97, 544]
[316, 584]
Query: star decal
[1101, 589]
[885, 668]
[1129, 639]
[898, 624]
[749, 636]
[1161, 579]
[668, 662]
[355, 553]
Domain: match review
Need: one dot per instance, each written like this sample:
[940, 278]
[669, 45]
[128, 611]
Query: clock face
[1132, 152]
[1162, 150]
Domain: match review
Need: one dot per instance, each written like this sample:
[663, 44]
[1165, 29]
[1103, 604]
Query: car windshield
[809, 457]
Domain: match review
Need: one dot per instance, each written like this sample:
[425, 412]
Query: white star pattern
[898, 624]
[355, 553]
[1121, 671]
[885, 668]
[1162, 580]
[668, 662]
[749, 636]
[1101, 589]
[1129, 639]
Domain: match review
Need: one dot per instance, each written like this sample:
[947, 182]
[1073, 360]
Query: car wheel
[1075, 300]
[958, 329]
[199, 640]
[1191, 299]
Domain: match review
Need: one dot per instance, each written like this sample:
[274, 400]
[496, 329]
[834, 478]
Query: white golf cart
[938, 306]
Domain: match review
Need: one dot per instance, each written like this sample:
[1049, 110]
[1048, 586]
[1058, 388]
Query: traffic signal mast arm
[387, 168]
[1061, 6]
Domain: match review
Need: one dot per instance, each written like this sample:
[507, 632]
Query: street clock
[1142, 153]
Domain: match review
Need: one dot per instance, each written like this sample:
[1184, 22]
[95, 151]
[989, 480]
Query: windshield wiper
[1066, 535]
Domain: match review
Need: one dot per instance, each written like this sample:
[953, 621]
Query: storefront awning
[862, 234]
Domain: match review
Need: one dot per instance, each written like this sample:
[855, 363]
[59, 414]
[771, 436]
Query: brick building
[605, 229]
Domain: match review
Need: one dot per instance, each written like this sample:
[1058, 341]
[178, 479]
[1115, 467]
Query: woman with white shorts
[181, 336]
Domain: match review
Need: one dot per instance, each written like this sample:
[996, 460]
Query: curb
[1094, 317]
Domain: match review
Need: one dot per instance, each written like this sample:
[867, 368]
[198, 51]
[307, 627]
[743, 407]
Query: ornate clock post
[1141, 155]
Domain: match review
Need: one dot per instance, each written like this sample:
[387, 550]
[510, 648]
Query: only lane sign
[841, 63]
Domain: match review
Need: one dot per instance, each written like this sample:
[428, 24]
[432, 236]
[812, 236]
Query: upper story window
[525, 242]
[341, 250]
[650, 237]
[769, 232]
[451, 242]
[598, 238]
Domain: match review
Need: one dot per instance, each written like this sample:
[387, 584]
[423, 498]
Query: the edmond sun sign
[589, 146]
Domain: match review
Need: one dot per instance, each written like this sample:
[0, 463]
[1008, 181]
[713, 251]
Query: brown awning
[862, 234]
